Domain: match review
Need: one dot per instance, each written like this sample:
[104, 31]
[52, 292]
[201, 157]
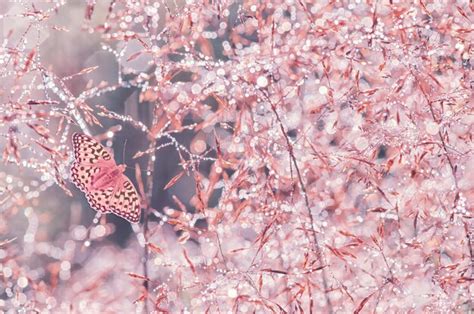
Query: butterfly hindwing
[100, 199]
[126, 202]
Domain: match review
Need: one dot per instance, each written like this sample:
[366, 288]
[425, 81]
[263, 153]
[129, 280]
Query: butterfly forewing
[87, 150]
[119, 197]
[82, 175]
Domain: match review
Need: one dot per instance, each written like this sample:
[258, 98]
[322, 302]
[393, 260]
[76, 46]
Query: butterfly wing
[88, 151]
[100, 199]
[126, 202]
[89, 155]
[82, 175]
[121, 199]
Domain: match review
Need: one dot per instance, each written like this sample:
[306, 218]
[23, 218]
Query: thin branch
[315, 241]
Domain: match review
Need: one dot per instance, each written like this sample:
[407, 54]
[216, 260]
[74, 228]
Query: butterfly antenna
[123, 154]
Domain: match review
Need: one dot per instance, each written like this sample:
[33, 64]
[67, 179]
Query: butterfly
[107, 189]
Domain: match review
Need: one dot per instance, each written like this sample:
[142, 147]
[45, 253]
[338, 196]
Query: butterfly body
[110, 175]
[104, 183]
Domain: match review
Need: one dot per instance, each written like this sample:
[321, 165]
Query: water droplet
[323, 90]
[262, 81]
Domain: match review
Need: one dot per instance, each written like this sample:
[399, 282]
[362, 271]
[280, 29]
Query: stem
[316, 245]
[148, 196]
[145, 258]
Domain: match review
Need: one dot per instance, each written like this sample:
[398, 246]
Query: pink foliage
[291, 156]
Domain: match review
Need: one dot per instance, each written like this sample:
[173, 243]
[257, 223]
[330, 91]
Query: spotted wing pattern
[126, 203]
[87, 150]
[120, 198]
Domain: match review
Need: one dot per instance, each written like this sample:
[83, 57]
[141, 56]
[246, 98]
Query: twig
[148, 210]
[316, 245]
